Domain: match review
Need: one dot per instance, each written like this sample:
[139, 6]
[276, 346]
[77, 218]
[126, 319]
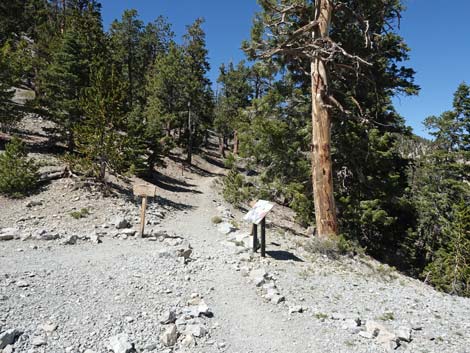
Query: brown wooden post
[142, 216]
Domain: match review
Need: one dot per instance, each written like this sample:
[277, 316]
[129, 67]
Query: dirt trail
[247, 322]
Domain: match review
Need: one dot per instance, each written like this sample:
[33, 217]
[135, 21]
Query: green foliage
[100, 139]
[83, 213]
[235, 188]
[18, 174]
[440, 244]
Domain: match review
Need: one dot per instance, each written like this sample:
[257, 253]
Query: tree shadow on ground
[171, 184]
[193, 168]
[214, 161]
[282, 255]
[168, 204]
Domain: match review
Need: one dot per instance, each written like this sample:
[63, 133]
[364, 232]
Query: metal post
[263, 237]
[142, 216]
[255, 237]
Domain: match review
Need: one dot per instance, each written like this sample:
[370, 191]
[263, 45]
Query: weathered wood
[142, 216]
[52, 175]
[147, 190]
[322, 174]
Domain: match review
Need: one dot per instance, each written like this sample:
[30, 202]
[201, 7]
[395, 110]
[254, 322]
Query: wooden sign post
[144, 191]
[257, 215]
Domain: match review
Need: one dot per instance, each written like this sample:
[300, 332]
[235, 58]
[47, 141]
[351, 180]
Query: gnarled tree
[295, 32]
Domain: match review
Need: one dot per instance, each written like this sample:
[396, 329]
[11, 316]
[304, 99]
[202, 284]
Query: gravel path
[74, 298]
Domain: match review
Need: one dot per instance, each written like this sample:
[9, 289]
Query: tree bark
[322, 173]
[221, 146]
[235, 142]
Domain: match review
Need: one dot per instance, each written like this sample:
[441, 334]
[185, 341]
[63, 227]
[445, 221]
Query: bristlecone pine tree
[302, 35]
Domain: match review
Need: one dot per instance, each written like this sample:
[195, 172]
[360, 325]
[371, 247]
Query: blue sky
[437, 31]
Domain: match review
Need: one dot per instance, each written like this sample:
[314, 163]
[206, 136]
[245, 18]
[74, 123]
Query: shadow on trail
[282, 255]
[193, 168]
[172, 205]
[171, 184]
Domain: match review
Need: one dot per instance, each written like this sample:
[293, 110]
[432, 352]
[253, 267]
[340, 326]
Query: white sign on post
[259, 210]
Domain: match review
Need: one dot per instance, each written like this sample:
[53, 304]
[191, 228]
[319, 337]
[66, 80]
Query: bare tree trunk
[322, 174]
[235, 142]
[190, 137]
[221, 146]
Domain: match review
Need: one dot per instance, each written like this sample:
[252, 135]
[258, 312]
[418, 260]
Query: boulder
[196, 330]
[168, 317]
[121, 344]
[120, 222]
[69, 240]
[169, 337]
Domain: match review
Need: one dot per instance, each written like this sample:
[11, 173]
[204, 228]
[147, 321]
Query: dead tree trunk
[322, 171]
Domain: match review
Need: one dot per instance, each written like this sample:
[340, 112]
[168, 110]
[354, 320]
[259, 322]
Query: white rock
[120, 344]
[169, 336]
[120, 222]
[38, 341]
[404, 333]
[295, 309]
[226, 228]
[128, 232]
[168, 317]
[203, 309]
[22, 284]
[197, 330]
[95, 238]
[259, 276]
[49, 327]
[188, 341]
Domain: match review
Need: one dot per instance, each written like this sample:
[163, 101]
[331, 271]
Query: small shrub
[229, 162]
[321, 316]
[387, 316]
[18, 174]
[80, 214]
[235, 188]
[216, 220]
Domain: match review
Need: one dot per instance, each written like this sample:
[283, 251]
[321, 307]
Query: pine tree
[166, 101]
[441, 195]
[198, 92]
[234, 97]
[63, 83]
[101, 140]
[369, 174]
[18, 174]
[128, 54]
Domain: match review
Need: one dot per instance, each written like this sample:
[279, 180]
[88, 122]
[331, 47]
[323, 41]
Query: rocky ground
[75, 278]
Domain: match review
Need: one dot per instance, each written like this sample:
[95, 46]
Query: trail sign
[144, 191]
[258, 211]
[257, 215]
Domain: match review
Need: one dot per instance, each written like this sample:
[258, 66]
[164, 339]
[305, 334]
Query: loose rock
[121, 344]
[169, 336]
